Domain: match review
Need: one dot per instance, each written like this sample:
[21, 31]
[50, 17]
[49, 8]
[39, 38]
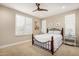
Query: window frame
[22, 34]
[69, 15]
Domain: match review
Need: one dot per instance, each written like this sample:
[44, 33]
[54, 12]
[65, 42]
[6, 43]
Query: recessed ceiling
[53, 8]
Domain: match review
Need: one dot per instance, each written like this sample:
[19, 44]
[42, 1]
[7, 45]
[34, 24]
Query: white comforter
[47, 37]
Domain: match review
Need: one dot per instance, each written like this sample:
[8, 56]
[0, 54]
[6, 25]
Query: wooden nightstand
[70, 40]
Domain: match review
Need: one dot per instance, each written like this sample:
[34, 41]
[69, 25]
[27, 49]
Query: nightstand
[70, 40]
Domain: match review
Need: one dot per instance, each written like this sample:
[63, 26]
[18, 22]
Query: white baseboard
[12, 44]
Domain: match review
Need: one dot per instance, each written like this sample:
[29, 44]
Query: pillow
[56, 32]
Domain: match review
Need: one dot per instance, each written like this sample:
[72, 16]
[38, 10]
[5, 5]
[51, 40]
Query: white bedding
[47, 37]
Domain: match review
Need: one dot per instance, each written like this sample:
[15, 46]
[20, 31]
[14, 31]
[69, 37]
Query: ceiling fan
[38, 8]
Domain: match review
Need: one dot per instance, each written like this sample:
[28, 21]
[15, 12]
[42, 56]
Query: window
[70, 24]
[23, 25]
[43, 29]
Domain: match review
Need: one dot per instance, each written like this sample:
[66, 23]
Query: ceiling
[53, 8]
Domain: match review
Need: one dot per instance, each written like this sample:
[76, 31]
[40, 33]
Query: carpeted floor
[26, 49]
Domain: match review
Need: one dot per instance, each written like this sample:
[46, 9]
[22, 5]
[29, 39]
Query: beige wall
[7, 26]
[77, 26]
[53, 20]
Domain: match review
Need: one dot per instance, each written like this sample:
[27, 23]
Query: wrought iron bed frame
[52, 41]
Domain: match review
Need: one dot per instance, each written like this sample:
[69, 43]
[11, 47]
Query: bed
[50, 41]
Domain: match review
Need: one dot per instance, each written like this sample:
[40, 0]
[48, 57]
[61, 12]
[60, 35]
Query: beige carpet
[26, 49]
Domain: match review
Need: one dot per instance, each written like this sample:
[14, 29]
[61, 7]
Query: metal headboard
[56, 29]
[53, 29]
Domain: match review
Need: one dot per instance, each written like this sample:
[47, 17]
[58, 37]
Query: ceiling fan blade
[34, 10]
[43, 10]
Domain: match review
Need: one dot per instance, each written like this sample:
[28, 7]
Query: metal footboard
[45, 45]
